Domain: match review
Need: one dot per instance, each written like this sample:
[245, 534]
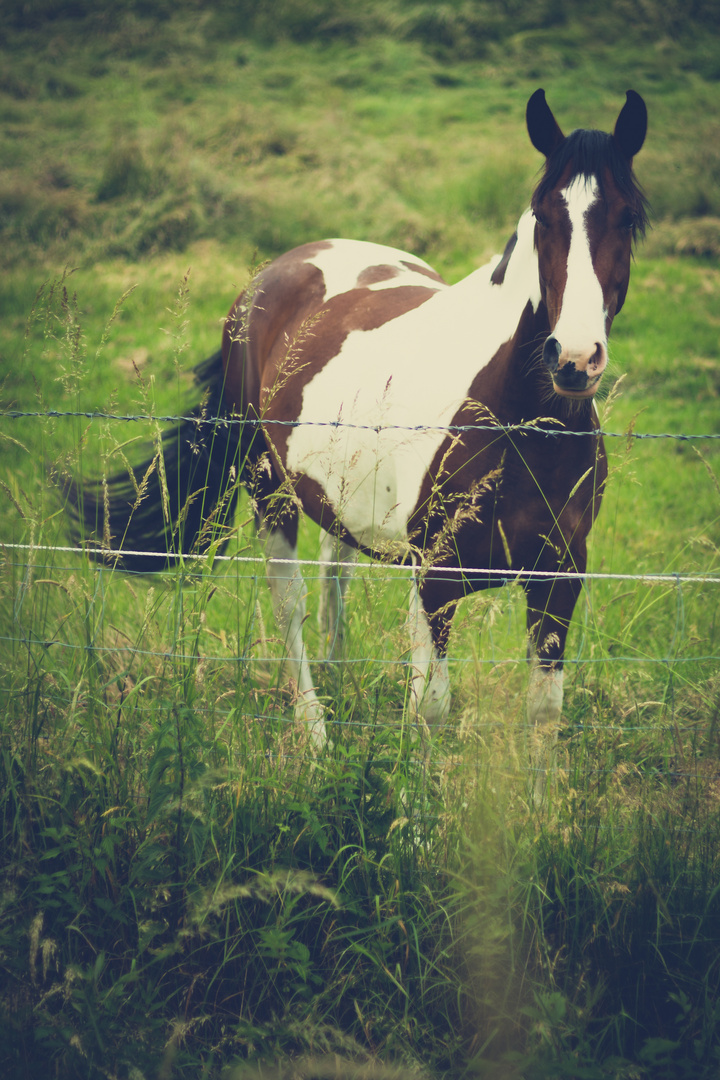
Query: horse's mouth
[587, 392]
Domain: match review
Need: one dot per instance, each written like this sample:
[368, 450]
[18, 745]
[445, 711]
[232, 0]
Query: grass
[184, 887]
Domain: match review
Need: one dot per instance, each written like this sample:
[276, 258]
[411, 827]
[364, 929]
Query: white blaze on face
[581, 325]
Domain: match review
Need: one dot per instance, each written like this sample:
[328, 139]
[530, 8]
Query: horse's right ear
[543, 129]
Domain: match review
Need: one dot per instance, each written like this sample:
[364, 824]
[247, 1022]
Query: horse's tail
[182, 498]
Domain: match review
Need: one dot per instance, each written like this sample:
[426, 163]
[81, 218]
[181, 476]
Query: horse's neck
[507, 322]
[520, 281]
[498, 308]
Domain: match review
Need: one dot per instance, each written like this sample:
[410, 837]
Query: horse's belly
[371, 478]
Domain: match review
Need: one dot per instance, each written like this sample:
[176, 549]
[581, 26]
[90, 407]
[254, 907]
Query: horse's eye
[628, 220]
[540, 219]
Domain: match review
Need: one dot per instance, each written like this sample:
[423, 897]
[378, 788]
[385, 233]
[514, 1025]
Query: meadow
[186, 888]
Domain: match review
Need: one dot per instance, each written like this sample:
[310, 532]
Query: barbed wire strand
[502, 576]
[248, 658]
[18, 414]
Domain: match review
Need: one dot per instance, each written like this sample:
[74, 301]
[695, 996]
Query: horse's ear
[545, 135]
[631, 126]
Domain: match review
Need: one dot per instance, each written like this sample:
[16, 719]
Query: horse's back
[346, 265]
[298, 311]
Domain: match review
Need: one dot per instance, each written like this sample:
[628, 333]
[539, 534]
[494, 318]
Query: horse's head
[588, 210]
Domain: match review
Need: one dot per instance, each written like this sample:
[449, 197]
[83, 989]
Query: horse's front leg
[430, 686]
[289, 596]
[550, 607]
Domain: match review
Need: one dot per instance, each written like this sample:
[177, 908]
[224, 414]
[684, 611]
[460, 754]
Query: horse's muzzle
[575, 374]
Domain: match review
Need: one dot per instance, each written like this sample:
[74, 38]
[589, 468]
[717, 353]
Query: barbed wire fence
[236, 567]
[170, 418]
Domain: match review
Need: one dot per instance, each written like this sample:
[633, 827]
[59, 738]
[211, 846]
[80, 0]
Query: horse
[412, 420]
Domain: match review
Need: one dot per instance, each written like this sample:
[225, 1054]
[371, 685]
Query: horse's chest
[544, 513]
[510, 509]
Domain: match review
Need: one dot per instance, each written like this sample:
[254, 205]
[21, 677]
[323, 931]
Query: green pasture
[186, 888]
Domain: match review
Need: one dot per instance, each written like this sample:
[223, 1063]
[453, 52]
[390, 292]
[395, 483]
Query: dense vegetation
[184, 886]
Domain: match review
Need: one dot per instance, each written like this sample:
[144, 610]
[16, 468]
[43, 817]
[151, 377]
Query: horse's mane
[590, 153]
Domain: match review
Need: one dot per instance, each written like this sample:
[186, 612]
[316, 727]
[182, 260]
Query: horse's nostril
[551, 353]
[598, 357]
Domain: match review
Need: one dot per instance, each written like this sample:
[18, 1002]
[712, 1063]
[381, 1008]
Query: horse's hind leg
[335, 573]
[288, 596]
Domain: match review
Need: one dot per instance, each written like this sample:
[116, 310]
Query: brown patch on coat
[498, 275]
[373, 275]
[427, 271]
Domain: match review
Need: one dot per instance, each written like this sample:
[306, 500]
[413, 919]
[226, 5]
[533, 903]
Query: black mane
[590, 153]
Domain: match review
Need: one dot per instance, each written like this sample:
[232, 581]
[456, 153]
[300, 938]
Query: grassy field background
[184, 887]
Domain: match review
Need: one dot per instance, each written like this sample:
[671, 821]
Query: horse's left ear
[631, 126]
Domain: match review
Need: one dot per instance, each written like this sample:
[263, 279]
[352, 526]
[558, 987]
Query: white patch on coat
[414, 371]
[342, 264]
[582, 316]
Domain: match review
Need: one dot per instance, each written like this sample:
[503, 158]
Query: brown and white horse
[385, 404]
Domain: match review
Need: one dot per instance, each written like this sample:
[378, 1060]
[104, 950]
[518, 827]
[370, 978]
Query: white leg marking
[544, 708]
[335, 580]
[430, 679]
[545, 696]
[288, 595]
